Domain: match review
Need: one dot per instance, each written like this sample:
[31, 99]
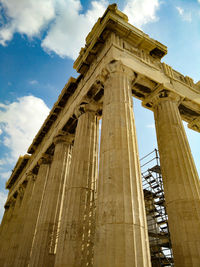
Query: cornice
[19, 167]
[114, 20]
[65, 94]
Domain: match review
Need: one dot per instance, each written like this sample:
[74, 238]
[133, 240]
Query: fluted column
[180, 179]
[43, 250]
[121, 227]
[5, 219]
[21, 219]
[35, 202]
[11, 228]
[5, 229]
[75, 247]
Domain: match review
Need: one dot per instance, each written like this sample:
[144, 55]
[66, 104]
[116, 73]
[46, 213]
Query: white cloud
[67, 34]
[1, 131]
[32, 82]
[66, 23]
[67, 29]
[3, 198]
[141, 12]
[26, 17]
[180, 10]
[5, 175]
[152, 126]
[186, 16]
[2, 162]
[20, 122]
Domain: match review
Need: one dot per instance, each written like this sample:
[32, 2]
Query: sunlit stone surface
[76, 210]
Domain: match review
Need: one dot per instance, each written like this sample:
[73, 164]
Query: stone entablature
[114, 20]
[67, 91]
[20, 165]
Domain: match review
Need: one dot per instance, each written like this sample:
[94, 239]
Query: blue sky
[39, 41]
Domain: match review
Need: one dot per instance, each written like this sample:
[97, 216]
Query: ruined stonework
[66, 206]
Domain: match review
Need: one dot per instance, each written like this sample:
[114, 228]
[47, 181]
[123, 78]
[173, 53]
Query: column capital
[45, 159]
[115, 66]
[159, 95]
[87, 107]
[21, 191]
[63, 137]
[11, 201]
[30, 175]
[195, 124]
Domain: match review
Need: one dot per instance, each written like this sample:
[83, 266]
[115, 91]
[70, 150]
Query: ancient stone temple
[71, 205]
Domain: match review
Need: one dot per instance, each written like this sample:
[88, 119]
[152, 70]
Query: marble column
[75, 245]
[35, 202]
[180, 179]
[43, 249]
[121, 227]
[4, 221]
[21, 219]
[11, 228]
[5, 227]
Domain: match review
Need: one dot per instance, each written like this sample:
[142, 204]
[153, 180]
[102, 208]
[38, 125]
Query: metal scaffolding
[157, 219]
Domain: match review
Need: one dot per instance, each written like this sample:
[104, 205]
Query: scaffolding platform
[157, 219]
